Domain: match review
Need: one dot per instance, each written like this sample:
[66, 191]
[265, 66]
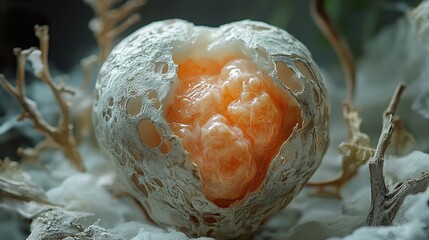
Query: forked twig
[385, 204]
[61, 135]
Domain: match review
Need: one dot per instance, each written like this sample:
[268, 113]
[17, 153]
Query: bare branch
[338, 43]
[33, 153]
[114, 33]
[87, 64]
[42, 33]
[385, 204]
[356, 152]
[61, 135]
[110, 22]
[15, 184]
[21, 191]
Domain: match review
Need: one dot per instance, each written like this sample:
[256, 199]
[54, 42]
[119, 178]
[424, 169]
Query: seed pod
[214, 130]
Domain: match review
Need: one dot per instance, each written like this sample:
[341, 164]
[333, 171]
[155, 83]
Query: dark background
[71, 40]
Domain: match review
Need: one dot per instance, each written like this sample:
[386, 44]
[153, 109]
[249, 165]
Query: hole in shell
[304, 69]
[191, 206]
[138, 170]
[149, 133]
[161, 67]
[210, 219]
[158, 182]
[157, 104]
[165, 147]
[288, 77]
[316, 96]
[255, 209]
[149, 188]
[153, 96]
[140, 186]
[107, 114]
[110, 101]
[194, 220]
[210, 232]
[135, 152]
[134, 106]
[124, 102]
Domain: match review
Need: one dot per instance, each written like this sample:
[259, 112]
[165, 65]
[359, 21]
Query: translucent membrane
[232, 120]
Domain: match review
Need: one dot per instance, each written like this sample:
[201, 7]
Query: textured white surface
[305, 217]
[168, 184]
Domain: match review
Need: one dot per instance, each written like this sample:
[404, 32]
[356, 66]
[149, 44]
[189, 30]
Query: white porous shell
[134, 85]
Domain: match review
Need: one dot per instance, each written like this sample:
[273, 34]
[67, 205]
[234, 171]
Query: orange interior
[232, 120]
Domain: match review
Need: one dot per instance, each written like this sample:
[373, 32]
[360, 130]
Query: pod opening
[232, 119]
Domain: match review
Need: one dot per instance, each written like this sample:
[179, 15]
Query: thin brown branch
[110, 22]
[87, 64]
[122, 27]
[33, 153]
[42, 33]
[385, 204]
[120, 13]
[356, 152]
[21, 57]
[339, 44]
[15, 184]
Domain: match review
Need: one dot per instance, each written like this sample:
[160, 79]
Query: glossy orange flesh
[232, 120]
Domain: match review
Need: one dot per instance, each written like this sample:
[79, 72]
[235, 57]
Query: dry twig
[385, 204]
[402, 141]
[110, 22]
[17, 185]
[60, 136]
[338, 43]
[356, 152]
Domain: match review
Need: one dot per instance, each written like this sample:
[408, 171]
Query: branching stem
[62, 135]
[385, 204]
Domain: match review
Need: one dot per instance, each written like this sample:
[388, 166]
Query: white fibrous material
[36, 61]
[395, 55]
[185, 180]
[407, 167]
[94, 199]
[419, 20]
[412, 225]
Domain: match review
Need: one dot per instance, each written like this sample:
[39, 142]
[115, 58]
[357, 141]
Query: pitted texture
[136, 84]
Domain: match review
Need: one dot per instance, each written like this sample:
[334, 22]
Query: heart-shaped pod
[213, 130]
